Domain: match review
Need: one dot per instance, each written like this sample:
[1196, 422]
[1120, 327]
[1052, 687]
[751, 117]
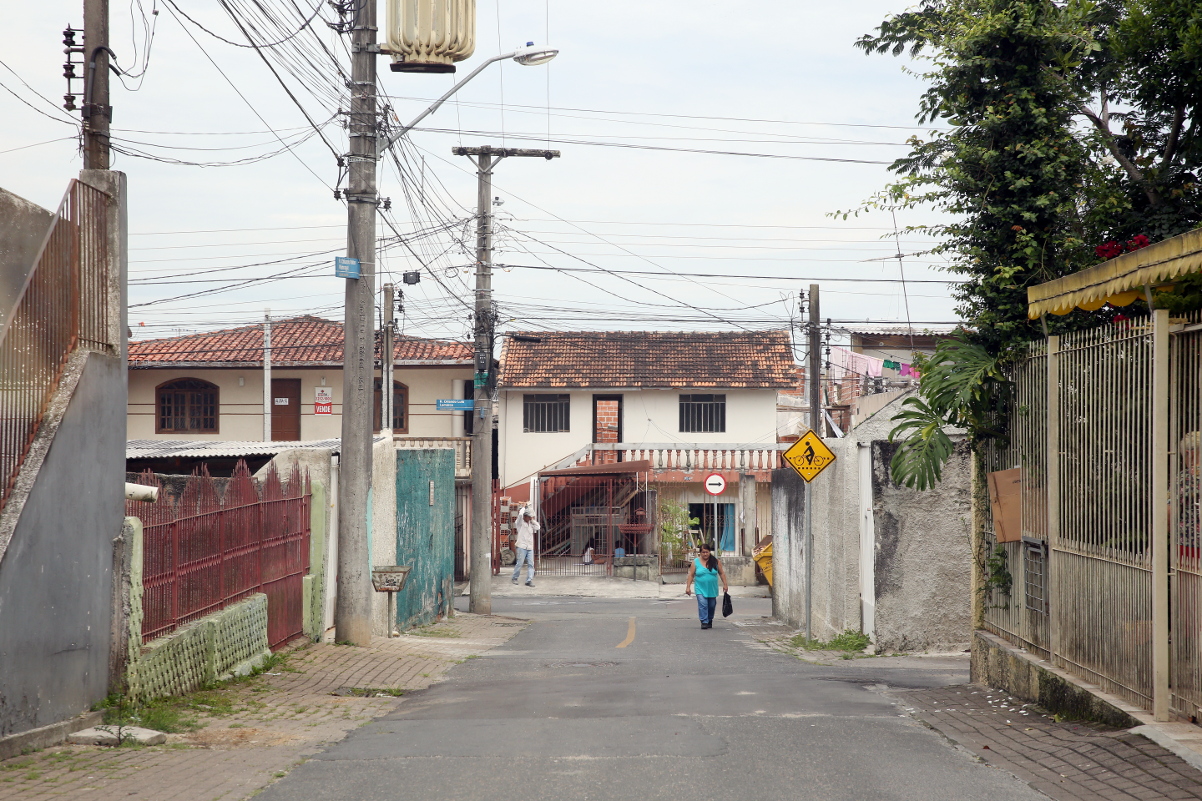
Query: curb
[46, 736]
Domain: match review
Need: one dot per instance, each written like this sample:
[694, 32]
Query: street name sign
[715, 484]
[346, 267]
[454, 404]
[809, 456]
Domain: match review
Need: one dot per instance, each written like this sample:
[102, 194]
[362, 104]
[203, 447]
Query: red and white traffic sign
[715, 484]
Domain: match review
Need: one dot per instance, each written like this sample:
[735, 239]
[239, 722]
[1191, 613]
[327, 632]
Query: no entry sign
[715, 484]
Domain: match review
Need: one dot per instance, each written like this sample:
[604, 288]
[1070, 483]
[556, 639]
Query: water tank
[430, 35]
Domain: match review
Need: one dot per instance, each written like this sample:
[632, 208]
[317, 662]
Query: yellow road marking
[629, 636]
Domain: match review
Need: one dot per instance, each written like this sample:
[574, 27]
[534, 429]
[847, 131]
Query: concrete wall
[923, 556]
[23, 228]
[56, 573]
[912, 591]
[648, 415]
[241, 398]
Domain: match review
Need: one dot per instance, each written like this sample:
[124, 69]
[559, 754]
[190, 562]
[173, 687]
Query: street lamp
[528, 56]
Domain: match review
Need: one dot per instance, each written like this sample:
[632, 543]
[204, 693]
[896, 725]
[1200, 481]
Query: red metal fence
[63, 305]
[205, 550]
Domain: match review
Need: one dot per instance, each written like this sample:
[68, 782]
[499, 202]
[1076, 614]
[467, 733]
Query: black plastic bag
[727, 606]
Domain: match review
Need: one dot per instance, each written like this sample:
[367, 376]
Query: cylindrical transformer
[430, 35]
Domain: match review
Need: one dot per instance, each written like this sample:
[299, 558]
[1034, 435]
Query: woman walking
[706, 570]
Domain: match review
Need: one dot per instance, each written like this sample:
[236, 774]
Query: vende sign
[323, 400]
[715, 484]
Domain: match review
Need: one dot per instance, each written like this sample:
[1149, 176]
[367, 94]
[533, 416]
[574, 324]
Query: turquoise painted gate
[425, 534]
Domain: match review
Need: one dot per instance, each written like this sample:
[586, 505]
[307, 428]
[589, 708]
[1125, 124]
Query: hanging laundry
[857, 364]
[905, 369]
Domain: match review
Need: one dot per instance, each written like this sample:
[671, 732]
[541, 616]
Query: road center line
[629, 636]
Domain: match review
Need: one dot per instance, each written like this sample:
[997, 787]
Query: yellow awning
[1120, 280]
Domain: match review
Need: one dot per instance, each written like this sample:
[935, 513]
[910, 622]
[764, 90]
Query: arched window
[400, 408]
[187, 406]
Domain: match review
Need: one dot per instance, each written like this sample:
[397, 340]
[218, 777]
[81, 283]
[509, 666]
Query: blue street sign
[455, 404]
[346, 267]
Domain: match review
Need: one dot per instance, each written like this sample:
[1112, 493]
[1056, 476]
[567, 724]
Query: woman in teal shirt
[706, 570]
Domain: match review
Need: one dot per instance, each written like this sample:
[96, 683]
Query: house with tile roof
[210, 386]
[674, 407]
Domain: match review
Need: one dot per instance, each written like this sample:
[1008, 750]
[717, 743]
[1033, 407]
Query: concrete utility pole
[267, 393]
[814, 380]
[352, 613]
[96, 111]
[387, 397]
[485, 159]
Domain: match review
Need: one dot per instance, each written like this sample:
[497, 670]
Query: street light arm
[391, 140]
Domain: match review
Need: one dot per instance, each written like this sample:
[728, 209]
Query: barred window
[702, 413]
[186, 406]
[1035, 575]
[545, 413]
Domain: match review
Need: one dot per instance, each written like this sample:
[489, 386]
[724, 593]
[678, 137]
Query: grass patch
[369, 692]
[184, 713]
[850, 640]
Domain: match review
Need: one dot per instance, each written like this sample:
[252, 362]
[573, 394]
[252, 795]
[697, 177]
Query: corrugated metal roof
[173, 448]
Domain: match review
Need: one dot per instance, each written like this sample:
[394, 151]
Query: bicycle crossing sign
[809, 456]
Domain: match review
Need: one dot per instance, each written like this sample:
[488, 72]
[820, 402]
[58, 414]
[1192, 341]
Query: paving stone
[1065, 761]
[278, 720]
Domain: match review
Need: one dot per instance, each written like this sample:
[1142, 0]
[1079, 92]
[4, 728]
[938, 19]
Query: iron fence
[205, 550]
[63, 306]
[1081, 587]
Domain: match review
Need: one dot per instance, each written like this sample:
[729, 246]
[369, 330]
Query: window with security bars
[1035, 575]
[186, 406]
[545, 413]
[702, 413]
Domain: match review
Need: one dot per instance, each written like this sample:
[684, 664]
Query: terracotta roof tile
[702, 359]
[297, 341]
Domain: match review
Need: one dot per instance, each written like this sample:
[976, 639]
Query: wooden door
[285, 409]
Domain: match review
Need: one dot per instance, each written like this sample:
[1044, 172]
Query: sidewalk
[598, 587]
[1067, 761]
[254, 731]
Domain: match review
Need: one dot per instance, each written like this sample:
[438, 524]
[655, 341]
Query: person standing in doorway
[527, 528]
[706, 570]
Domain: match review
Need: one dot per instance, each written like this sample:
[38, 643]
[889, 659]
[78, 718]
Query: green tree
[1036, 169]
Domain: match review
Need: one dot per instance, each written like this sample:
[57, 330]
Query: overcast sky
[638, 88]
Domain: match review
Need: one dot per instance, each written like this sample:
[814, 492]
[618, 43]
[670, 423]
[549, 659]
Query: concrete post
[352, 616]
[747, 498]
[1161, 503]
[1052, 468]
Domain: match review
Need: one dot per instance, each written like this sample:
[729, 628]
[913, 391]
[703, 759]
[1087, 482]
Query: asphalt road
[565, 711]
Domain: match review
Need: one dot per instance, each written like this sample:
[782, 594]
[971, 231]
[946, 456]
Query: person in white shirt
[527, 528]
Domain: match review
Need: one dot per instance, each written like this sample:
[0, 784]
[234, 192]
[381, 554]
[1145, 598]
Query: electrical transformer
[430, 35]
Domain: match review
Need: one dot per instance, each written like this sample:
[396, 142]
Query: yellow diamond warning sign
[809, 456]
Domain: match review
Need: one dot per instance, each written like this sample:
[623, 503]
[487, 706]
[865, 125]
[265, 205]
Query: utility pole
[387, 397]
[352, 613]
[267, 394]
[814, 381]
[96, 111]
[485, 159]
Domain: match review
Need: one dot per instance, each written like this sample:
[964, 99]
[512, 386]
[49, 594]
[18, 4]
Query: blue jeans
[524, 555]
[705, 608]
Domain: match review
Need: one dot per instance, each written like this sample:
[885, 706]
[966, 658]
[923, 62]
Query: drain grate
[581, 664]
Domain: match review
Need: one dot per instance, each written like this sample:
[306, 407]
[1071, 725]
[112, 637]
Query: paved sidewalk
[1066, 761]
[255, 731]
[598, 587]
